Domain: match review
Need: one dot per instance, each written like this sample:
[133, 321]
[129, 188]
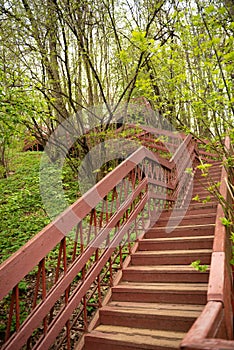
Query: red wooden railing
[156, 139]
[214, 328]
[55, 282]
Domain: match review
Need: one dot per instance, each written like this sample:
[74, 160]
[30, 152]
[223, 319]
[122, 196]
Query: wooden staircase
[153, 299]
[160, 295]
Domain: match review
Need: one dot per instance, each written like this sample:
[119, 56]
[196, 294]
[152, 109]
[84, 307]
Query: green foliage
[214, 187]
[204, 167]
[232, 240]
[22, 214]
[226, 222]
[21, 210]
[197, 266]
[196, 198]
[189, 171]
[206, 200]
[18, 104]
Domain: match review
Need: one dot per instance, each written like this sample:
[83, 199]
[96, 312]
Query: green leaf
[210, 9]
[96, 171]
[196, 198]
[189, 170]
[197, 266]
[226, 222]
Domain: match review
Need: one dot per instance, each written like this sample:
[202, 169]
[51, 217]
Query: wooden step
[213, 176]
[171, 257]
[205, 218]
[201, 186]
[193, 209]
[201, 191]
[180, 231]
[203, 195]
[204, 185]
[158, 316]
[108, 337]
[213, 170]
[174, 293]
[164, 273]
[172, 243]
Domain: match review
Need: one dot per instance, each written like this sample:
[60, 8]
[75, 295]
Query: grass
[22, 213]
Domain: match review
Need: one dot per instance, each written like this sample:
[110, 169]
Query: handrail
[216, 320]
[54, 232]
[104, 224]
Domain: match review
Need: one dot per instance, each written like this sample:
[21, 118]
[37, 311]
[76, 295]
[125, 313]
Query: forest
[87, 61]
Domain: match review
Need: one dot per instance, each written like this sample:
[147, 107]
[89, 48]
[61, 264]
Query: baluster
[62, 250]
[99, 292]
[102, 215]
[112, 201]
[58, 262]
[40, 273]
[121, 191]
[127, 183]
[85, 314]
[85, 302]
[43, 273]
[14, 301]
[81, 237]
[129, 240]
[90, 226]
[75, 243]
[117, 199]
[120, 257]
[95, 221]
[105, 209]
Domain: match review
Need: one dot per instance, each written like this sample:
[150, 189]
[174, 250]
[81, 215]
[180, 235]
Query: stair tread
[157, 306]
[172, 252]
[184, 227]
[183, 238]
[167, 268]
[192, 207]
[154, 309]
[190, 216]
[140, 337]
[163, 286]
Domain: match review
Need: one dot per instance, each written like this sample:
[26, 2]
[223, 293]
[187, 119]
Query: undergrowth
[22, 213]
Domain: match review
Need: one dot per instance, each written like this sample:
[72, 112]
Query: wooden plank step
[203, 193]
[213, 170]
[171, 257]
[180, 231]
[213, 176]
[174, 293]
[164, 273]
[204, 185]
[108, 337]
[161, 316]
[193, 209]
[208, 218]
[204, 197]
[201, 186]
[171, 243]
[200, 190]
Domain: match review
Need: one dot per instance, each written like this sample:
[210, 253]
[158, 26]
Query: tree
[80, 54]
